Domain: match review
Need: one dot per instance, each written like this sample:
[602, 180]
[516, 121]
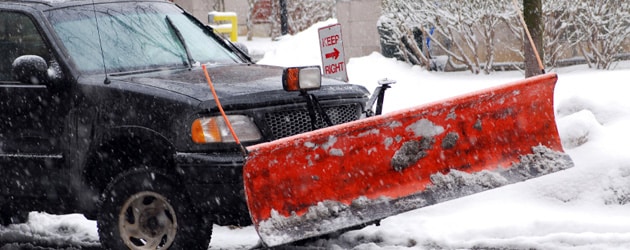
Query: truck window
[134, 37]
[18, 36]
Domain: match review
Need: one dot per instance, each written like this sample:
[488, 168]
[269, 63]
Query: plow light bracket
[378, 96]
[302, 78]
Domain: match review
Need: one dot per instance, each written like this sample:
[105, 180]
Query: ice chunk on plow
[347, 175]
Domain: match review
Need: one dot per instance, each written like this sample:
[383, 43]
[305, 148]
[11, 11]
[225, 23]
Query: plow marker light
[302, 78]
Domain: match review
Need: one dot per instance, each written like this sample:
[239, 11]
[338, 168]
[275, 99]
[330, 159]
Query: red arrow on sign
[334, 54]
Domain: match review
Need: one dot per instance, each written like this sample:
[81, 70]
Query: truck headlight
[214, 129]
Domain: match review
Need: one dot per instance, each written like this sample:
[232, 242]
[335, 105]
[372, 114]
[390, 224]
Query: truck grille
[292, 122]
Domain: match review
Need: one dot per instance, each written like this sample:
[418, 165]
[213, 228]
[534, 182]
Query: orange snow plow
[352, 174]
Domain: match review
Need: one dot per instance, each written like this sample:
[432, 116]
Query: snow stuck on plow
[355, 173]
[328, 216]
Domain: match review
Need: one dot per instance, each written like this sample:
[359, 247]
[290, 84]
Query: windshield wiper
[225, 43]
[191, 61]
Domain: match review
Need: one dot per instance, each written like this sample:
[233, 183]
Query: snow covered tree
[253, 12]
[560, 30]
[301, 14]
[604, 26]
[532, 13]
[219, 5]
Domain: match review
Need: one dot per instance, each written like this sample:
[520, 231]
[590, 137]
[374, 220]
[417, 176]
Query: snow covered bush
[399, 42]
[560, 35]
[578, 128]
[604, 27]
[617, 186]
[465, 31]
[472, 33]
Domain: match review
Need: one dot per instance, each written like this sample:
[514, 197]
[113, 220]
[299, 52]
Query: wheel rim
[147, 221]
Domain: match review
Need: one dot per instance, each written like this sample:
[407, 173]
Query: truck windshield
[135, 37]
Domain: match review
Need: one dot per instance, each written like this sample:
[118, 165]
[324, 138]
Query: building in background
[358, 18]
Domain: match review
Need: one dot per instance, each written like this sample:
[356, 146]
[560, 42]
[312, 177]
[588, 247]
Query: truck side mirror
[30, 69]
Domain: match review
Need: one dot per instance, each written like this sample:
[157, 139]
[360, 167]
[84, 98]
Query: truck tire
[143, 209]
[9, 216]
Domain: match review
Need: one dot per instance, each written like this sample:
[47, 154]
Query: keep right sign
[333, 58]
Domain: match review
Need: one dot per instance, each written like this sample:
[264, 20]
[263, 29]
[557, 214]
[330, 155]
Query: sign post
[333, 58]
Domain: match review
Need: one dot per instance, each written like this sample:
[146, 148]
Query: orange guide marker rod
[227, 121]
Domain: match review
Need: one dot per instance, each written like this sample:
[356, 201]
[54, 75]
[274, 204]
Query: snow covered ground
[586, 207]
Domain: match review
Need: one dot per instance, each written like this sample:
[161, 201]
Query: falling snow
[585, 207]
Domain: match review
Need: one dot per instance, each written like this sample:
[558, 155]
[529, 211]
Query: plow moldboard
[346, 175]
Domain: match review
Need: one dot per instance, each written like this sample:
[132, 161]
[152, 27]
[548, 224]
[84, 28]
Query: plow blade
[348, 175]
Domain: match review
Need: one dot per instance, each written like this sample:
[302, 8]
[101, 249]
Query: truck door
[31, 116]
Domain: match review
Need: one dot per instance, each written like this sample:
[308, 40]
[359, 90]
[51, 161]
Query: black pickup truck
[105, 111]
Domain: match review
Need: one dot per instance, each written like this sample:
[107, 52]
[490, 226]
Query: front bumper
[214, 182]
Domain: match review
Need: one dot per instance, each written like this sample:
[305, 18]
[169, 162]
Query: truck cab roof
[46, 4]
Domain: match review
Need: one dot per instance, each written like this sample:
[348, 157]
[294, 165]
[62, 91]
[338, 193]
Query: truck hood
[238, 86]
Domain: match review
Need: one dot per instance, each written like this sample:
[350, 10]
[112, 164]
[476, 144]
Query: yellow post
[225, 23]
